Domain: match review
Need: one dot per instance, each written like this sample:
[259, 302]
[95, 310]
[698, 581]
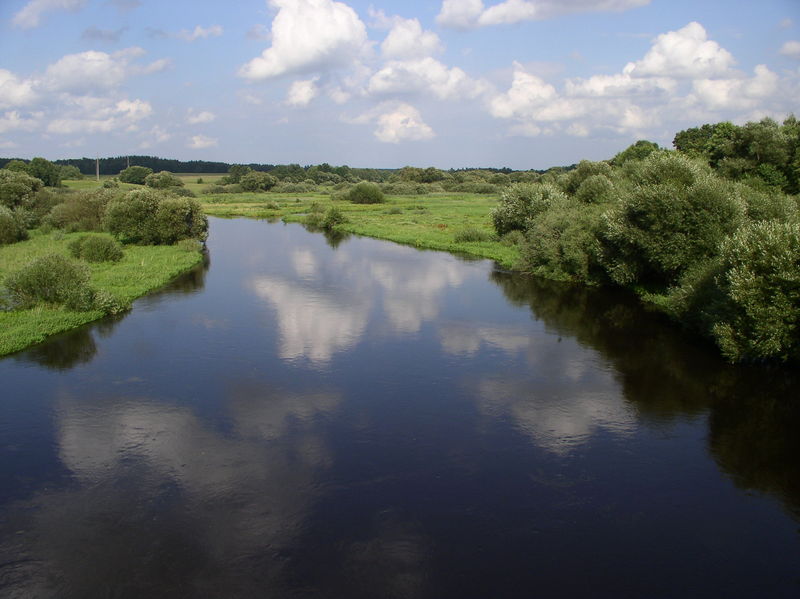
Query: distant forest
[113, 166]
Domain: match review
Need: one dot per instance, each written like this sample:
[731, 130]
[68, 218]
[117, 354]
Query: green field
[426, 221]
[143, 269]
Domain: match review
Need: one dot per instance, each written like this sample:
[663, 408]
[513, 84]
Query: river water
[314, 417]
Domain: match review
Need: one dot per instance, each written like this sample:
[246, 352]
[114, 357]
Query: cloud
[735, 93]
[194, 118]
[15, 91]
[686, 53]
[791, 49]
[302, 92]
[94, 70]
[397, 121]
[199, 33]
[30, 15]
[94, 34]
[528, 94]
[14, 121]
[406, 39]
[309, 35]
[424, 75]
[258, 32]
[200, 142]
[467, 14]
[100, 115]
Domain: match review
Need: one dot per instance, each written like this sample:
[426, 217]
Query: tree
[46, 171]
[236, 172]
[69, 171]
[15, 187]
[638, 151]
[162, 180]
[135, 174]
[257, 181]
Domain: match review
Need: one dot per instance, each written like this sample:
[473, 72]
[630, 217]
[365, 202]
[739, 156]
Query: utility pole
[97, 168]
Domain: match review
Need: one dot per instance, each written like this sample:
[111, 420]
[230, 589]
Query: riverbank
[141, 270]
[430, 221]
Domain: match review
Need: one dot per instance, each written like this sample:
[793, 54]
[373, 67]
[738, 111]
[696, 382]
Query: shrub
[562, 242]
[765, 205]
[179, 218]
[16, 186]
[110, 184]
[131, 218]
[199, 180]
[676, 215]
[258, 181]
[332, 218]
[585, 169]
[70, 171]
[96, 248]
[272, 205]
[595, 189]
[162, 180]
[41, 203]
[52, 279]
[761, 281]
[471, 234]
[44, 170]
[135, 174]
[80, 212]
[521, 203]
[181, 192]
[11, 227]
[638, 151]
[366, 193]
[512, 238]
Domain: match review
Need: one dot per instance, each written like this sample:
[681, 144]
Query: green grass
[142, 269]
[429, 221]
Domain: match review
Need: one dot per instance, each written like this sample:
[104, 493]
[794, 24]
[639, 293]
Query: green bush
[595, 189]
[366, 193]
[51, 279]
[110, 184]
[11, 227]
[333, 217]
[761, 282]
[41, 203]
[177, 219]
[82, 211]
[181, 192]
[131, 218]
[258, 181]
[521, 203]
[471, 234]
[16, 186]
[585, 169]
[96, 248]
[767, 205]
[562, 242]
[675, 216]
[71, 172]
[162, 180]
[135, 174]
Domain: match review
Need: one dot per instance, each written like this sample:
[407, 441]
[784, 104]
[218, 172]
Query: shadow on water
[665, 375]
[73, 348]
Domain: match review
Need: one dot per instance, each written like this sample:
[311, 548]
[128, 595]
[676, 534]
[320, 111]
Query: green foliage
[110, 184]
[51, 279]
[366, 193]
[257, 181]
[83, 211]
[585, 169]
[562, 243]
[11, 227]
[44, 170]
[16, 186]
[148, 217]
[235, 173]
[595, 189]
[761, 281]
[177, 219]
[162, 180]
[521, 203]
[71, 172]
[638, 151]
[135, 174]
[333, 217]
[471, 234]
[96, 248]
[763, 205]
[676, 216]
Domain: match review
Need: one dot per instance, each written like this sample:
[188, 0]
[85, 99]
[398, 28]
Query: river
[307, 416]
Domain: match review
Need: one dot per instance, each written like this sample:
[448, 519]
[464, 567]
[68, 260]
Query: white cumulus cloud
[406, 39]
[200, 142]
[466, 14]
[309, 35]
[94, 70]
[195, 118]
[397, 121]
[30, 15]
[199, 33]
[302, 92]
[424, 75]
[686, 53]
[791, 49]
[15, 91]
[100, 115]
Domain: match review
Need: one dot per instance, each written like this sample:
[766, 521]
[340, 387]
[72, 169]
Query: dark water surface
[306, 417]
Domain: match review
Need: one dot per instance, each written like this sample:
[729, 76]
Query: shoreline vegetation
[708, 233]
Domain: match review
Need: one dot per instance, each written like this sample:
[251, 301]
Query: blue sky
[452, 83]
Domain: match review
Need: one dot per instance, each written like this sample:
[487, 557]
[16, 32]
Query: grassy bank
[143, 269]
[426, 221]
